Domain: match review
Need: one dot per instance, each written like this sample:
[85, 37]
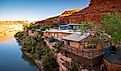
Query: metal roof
[76, 36]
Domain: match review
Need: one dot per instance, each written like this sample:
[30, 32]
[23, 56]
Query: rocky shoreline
[36, 61]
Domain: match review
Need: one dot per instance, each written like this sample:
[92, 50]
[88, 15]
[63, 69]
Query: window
[68, 42]
[75, 27]
[55, 34]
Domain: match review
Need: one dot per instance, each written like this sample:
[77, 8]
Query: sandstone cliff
[8, 28]
[93, 13]
[69, 12]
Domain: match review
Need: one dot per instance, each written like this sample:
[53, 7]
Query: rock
[69, 12]
[93, 13]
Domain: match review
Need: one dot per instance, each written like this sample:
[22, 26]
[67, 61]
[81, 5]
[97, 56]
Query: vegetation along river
[11, 57]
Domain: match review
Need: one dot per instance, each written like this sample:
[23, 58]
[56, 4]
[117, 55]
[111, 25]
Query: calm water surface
[11, 58]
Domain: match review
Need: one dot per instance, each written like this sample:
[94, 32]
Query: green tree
[43, 28]
[19, 34]
[112, 24]
[33, 26]
[84, 26]
[74, 65]
[49, 62]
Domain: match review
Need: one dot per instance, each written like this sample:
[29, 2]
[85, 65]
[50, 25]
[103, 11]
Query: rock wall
[9, 28]
[93, 13]
[69, 12]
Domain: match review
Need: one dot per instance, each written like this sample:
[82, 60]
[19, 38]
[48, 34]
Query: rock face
[69, 12]
[8, 28]
[93, 13]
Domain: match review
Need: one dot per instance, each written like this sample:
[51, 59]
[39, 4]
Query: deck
[87, 53]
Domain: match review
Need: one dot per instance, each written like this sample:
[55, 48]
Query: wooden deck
[87, 53]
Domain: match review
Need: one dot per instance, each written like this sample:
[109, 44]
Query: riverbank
[37, 50]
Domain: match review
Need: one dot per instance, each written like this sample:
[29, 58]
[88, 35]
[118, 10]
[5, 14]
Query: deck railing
[88, 53]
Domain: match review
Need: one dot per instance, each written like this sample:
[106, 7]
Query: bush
[112, 24]
[74, 65]
[57, 45]
[19, 36]
[49, 63]
[33, 57]
[51, 39]
[36, 47]
[84, 26]
[43, 28]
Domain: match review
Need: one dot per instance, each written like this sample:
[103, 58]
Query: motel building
[84, 46]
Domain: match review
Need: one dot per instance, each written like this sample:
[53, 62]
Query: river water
[12, 59]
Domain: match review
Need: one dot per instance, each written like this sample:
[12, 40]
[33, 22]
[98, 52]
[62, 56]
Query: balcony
[87, 53]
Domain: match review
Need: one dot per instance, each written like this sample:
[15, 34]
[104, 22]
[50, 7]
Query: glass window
[68, 42]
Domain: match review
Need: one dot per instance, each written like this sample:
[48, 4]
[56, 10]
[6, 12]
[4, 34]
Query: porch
[87, 53]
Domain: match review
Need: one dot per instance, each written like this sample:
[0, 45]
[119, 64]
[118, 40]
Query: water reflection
[11, 57]
[25, 58]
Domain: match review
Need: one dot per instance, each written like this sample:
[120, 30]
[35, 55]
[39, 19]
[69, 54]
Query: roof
[112, 58]
[60, 31]
[70, 24]
[76, 36]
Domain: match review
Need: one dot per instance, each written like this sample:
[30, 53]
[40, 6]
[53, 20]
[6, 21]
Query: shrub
[51, 39]
[43, 28]
[74, 65]
[49, 62]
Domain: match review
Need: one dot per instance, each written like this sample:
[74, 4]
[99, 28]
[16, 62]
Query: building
[112, 61]
[85, 46]
[89, 50]
[62, 31]
[69, 26]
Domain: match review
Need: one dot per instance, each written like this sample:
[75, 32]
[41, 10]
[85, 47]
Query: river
[11, 57]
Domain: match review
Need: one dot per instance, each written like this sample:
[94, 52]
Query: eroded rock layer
[93, 13]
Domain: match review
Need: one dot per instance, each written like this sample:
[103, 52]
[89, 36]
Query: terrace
[80, 44]
[83, 45]
[62, 31]
[87, 53]
[112, 60]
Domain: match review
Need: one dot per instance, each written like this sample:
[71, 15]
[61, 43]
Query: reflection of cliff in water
[25, 58]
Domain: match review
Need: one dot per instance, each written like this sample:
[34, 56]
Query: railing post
[92, 54]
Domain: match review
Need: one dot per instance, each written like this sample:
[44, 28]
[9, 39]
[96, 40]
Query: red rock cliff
[93, 13]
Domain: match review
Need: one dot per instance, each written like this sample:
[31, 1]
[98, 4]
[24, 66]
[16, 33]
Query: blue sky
[33, 10]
